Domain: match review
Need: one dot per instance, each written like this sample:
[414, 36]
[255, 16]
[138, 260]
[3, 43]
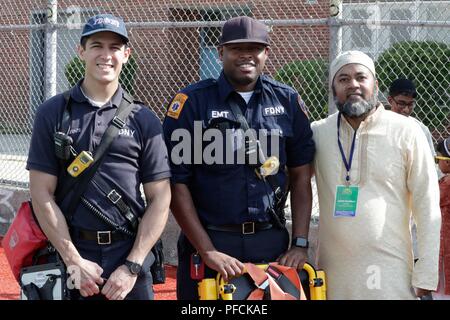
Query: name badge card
[346, 201]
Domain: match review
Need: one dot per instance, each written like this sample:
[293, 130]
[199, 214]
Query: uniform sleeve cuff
[156, 176]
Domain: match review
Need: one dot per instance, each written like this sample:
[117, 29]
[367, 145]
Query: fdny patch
[302, 105]
[273, 111]
[177, 105]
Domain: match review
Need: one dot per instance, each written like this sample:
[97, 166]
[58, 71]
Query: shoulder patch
[176, 105]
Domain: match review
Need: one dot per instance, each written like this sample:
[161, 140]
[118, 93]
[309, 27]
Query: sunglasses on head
[437, 158]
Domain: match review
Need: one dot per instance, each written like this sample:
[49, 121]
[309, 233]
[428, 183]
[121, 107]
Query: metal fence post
[50, 48]
[335, 42]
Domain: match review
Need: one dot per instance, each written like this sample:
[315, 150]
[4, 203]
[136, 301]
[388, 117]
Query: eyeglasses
[403, 104]
[437, 158]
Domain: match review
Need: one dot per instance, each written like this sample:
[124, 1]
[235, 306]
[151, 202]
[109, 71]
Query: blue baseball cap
[105, 22]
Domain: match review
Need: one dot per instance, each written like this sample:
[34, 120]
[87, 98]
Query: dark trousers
[142, 290]
[109, 257]
[261, 247]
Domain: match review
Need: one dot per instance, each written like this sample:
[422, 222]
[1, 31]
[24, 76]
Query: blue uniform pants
[261, 247]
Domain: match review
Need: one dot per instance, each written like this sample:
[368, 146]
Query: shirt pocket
[222, 144]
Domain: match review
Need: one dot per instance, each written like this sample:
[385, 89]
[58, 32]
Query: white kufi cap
[348, 57]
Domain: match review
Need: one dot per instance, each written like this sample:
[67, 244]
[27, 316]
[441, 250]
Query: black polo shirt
[137, 155]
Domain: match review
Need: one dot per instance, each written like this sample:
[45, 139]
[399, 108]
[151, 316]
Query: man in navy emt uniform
[110, 264]
[223, 208]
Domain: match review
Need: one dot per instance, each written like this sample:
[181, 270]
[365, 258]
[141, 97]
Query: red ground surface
[9, 288]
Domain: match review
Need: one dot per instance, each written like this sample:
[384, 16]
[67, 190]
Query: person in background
[402, 99]
[443, 160]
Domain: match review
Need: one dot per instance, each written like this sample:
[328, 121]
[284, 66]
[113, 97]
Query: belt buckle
[100, 237]
[114, 196]
[246, 230]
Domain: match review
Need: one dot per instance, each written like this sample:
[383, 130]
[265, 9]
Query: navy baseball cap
[105, 22]
[244, 29]
[402, 86]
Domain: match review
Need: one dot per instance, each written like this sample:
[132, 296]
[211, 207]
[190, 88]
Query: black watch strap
[133, 267]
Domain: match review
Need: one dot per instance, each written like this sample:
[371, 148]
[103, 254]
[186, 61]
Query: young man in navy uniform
[109, 264]
[223, 207]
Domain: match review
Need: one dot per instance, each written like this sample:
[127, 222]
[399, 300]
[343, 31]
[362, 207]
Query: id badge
[346, 201]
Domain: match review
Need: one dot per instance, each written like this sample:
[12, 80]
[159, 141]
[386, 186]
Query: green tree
[426, 63]
[74, 71]
[309, 78]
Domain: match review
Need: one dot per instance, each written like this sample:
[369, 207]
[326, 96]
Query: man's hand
[226, 265]
[295, 257]
[119, 284]
[90, 277]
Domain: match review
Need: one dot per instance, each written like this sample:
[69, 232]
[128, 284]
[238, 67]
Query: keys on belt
[197, 267]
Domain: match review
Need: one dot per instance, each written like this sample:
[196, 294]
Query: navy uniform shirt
[225, 193]
[137, 155]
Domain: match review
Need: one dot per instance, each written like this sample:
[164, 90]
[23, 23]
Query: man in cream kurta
[369, 255]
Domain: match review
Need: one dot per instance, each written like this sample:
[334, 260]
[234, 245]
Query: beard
[354, 109]
[237, 79]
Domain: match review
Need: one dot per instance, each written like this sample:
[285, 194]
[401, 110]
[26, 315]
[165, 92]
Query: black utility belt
[100, 237]
[243, 228]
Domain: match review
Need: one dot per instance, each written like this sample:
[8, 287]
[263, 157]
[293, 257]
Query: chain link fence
[174, 44]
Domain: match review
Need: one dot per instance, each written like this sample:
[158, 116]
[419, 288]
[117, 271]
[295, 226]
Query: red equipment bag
[23, 239]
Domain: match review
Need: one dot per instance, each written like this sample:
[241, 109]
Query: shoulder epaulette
[276, 83]
[199, 85]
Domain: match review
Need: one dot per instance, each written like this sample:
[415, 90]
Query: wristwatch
[133, 267]
[300, 242]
